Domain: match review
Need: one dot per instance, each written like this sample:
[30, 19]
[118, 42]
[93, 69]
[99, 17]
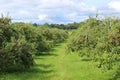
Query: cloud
[42, 17]
[72, 15]
[65, 4]
[53, 4]
[23, 12]
[84, 7]
[115, 5]
[53, 11]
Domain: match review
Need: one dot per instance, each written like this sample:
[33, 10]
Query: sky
[57, 11]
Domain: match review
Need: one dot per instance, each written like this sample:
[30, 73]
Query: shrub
[99, 40]
[14, 49]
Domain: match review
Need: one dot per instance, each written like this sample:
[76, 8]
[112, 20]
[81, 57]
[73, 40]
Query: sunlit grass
[57, 65]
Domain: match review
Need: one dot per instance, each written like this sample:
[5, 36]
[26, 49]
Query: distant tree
[35, 24]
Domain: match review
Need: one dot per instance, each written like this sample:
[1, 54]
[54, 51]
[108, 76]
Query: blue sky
[57, 11]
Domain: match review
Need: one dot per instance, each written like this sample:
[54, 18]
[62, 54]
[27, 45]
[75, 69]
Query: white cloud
[72, 15]
[115, 5]
[65, 4]
[55, 3]
[24, 12]
[85, 7]
[47, 10]
[42, 17]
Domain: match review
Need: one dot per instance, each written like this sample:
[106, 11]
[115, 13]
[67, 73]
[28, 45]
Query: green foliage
[49, 38]
[99, 40]
[16, 53]
[116, 76]
[20, 41]
[14, 49]
[69, 26]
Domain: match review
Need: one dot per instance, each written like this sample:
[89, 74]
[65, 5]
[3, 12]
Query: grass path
[57, 65]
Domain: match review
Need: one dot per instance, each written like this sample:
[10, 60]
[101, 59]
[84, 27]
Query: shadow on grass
[38, 72]
[41, 68]
[45, 66]
[39, 57]
[50, 53]
[86, 59]
[57, 45]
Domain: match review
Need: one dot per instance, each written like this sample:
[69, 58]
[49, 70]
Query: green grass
[57, 65]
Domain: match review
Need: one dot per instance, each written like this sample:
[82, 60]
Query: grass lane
[57, 65]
